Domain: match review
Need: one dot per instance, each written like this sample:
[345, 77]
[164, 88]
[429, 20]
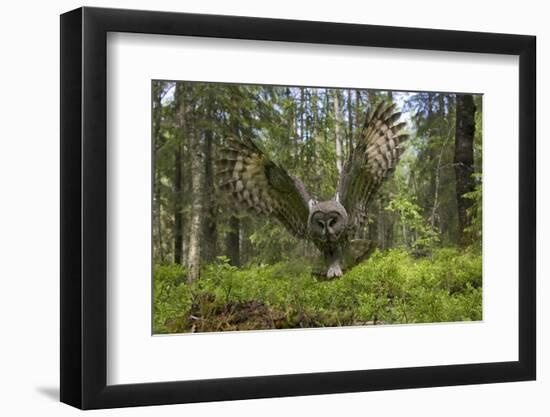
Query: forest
[217, 268]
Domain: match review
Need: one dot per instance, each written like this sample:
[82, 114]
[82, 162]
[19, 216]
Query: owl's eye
[331, 222]
[320, 224]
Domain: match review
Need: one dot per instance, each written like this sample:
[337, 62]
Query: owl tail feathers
[358, 251]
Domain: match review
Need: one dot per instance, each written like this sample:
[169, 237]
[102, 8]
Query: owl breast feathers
[251, 181]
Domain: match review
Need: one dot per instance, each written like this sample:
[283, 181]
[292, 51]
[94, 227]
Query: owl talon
[334, 271]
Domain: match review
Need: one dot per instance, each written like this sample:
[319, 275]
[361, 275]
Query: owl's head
[327, 221]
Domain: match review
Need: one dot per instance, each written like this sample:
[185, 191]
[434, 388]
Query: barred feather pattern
[249, 180]
[374, 158]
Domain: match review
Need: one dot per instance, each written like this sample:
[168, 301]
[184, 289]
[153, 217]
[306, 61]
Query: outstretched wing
[251, 181]
[375, 156]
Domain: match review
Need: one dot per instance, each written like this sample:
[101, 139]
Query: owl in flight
[251, 181]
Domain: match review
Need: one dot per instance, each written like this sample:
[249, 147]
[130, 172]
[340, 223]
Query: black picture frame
[84, 207]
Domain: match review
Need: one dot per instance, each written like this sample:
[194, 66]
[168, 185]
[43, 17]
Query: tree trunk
[350, 122]
[197, 181]
[338, 134]
[388, 238]
[158, 218]
[317, 171]
[233, 236]
[302, 121]
[359, 116]
[326, 113]
[157, 144]
[232, 241]
[178, 156]
[405, 237]
[464, 159]
[381, 225]
[178, 207]
[435, 205]
[210, 233]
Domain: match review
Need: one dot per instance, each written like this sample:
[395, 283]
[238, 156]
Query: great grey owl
[251, 181]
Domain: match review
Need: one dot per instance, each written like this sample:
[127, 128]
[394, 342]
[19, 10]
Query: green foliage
[424, 237]
[272, 242]
[296, 127]
[171, 295]
[391, 287]
[475, 213]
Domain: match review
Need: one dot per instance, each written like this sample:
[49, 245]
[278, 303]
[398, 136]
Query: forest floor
[391, 287]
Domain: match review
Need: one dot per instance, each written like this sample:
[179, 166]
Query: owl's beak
[329, 231]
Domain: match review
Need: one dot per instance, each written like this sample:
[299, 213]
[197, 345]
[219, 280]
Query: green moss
[391, 287]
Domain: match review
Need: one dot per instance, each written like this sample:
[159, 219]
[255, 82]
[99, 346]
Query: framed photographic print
[256, 208]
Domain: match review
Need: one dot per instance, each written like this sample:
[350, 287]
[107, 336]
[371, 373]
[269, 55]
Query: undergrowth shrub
[390, 287]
